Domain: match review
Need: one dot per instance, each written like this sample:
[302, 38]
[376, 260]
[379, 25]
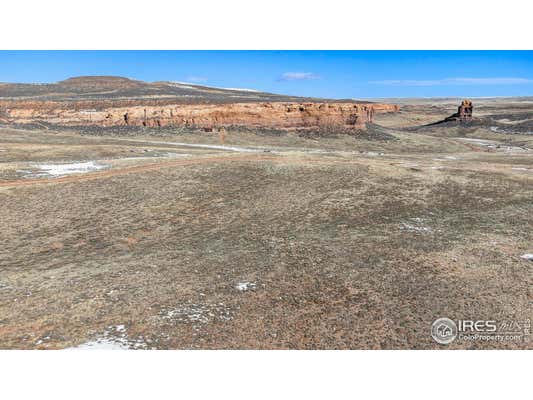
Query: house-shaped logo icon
[444, 331]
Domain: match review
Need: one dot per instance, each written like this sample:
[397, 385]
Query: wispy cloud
[196, 79]
[298, 76]
[455, 81]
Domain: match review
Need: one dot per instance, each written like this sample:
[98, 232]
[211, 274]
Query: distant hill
[116, 87]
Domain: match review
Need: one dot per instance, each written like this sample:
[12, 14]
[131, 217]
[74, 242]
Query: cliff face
[280, 115]
[114, 101]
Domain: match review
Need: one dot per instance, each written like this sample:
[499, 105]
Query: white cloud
[455, 81]
[196, 79]
[298, 76]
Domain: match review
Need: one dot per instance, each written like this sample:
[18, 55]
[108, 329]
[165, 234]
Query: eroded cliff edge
[113, 101]
[280, 115]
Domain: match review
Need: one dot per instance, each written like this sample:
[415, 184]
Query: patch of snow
[41, 341]
[164, 155]
[57, 170]
[446, 158]
[512, 122]
[114, 338]
[520, 169]
[198, 313]
[199, 86]
[244, 286]
[186, 85]
[413, 228]
[483, 142]
[415, 225]
[136, 158]
[74, 168]
[101, 344]
[493, 144]
[206, 146]
[176, 155]
[241, 90]
[527, 256]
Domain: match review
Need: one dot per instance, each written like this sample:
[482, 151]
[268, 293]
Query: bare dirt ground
[277, 241]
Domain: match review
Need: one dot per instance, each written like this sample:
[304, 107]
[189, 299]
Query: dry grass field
[278, 241]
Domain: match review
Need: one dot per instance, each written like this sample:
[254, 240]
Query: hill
[116, 87]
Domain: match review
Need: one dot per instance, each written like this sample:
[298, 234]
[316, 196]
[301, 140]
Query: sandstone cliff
[115, 101]
[279, 115]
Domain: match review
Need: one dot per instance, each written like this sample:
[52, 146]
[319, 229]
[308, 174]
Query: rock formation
[277, 115]
[464, 112]
[117, 101]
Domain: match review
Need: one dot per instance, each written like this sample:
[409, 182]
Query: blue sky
[331, 74]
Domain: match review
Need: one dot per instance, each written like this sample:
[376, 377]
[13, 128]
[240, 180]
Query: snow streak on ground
[164, 155]
[56, 170]
[205, 146]
[241, 89]
[244, 286]
[415, 225]
[114, 338]
[492, 144]
[198, 313]
[101, 344]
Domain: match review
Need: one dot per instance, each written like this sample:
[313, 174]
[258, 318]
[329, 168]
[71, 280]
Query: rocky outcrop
[464, 112]
[119, 101]
[279, 115]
